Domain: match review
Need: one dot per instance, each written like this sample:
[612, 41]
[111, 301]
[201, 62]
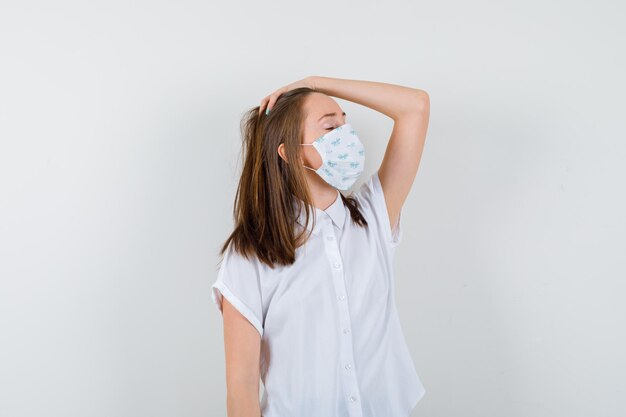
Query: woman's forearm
[392, 100]
[243, 401]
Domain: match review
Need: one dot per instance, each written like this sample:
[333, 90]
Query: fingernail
[267, 111]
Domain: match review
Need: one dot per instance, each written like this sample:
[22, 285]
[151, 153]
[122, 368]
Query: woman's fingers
[270, 100]
[263, 104]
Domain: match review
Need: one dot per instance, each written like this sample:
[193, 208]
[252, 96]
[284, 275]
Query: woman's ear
[281, 152]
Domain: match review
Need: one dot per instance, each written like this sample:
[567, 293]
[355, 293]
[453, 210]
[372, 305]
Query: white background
[119, 146]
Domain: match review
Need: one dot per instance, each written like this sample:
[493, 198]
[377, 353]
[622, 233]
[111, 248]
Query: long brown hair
[263, 211]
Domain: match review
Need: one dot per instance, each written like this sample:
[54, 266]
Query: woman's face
[323, 115]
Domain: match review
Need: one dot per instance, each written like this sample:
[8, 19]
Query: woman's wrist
[311, 81]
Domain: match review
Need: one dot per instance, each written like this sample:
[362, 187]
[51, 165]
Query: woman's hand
[271, 99]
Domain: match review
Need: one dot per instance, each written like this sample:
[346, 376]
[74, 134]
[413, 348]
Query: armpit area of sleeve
[219, 290]
[394, 235]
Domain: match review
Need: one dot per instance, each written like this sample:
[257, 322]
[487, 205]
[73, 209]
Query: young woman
[306, 283]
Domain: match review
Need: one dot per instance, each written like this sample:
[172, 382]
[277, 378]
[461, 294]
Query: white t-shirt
[331, 340]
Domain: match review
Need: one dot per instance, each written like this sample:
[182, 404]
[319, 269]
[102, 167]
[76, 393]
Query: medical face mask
[343, 157]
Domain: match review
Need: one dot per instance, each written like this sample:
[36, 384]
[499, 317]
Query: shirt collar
[336, 211]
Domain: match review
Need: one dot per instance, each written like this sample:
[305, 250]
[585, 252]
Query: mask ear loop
[308, 144]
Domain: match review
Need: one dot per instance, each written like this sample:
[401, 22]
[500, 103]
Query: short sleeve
[238, 281]
[370, 195]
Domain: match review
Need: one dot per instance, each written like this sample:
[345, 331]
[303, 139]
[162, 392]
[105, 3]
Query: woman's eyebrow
[331, 114]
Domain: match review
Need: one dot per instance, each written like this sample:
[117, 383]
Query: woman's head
[271, 188]
[320, 114]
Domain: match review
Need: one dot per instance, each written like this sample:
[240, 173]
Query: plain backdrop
[119, 155]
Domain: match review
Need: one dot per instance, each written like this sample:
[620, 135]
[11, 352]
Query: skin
[409, 108]
[242, 347]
